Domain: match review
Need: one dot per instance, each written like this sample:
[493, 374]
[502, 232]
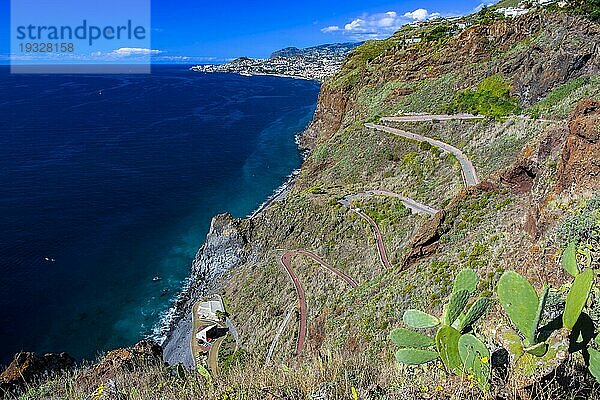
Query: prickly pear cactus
[577, 297]
[475, 312]
[475, 357]
[594, 363]
[419, 319]
[538, 315]
[520, 301]
[407, 338]
[529, 368]
[510, 340]
[447, 345]
[456, 305]
[466, 279]
[415, 356]
[569, 259]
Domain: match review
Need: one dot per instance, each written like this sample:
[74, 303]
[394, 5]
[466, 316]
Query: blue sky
[221, 30]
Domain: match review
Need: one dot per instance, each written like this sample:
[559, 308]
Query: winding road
[414, 206]
[376, 231]
[468, 170]
[286, 262]
[432, 117]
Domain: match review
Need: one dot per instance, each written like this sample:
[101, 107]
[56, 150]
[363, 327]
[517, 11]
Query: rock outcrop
[579, 167]
[425, 242]
[143, 354]
[27, 368]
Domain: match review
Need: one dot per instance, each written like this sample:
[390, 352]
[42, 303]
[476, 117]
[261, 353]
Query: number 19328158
[47, 47]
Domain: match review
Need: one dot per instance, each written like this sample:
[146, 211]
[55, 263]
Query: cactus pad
[476, 360]
[594, 363]
[475, 312]
[577, 297]
[456, 304]
[407, 338]
[467, 280]
[419, 319]
[569, 259]
[520, 301]
[415, 356]
[447, 344]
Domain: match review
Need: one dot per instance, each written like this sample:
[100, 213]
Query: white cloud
[356, 25]
[388, 20]
[378, 26]
[133, 51]
[420, 14]
[332, 28]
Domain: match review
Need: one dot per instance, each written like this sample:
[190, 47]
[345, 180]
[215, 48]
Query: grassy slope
[348, 329]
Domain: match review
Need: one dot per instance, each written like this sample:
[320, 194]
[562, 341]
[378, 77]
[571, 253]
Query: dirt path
[286, 262]
[468, 170]
[282, 326]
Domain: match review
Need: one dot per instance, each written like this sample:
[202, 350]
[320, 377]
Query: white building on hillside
[512, 12]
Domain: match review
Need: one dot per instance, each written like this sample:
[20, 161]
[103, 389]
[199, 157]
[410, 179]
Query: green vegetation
[542, 349]
[589, 8]
[349, 352]
[487, 15]
[504, 4]
[461, 353]
[582, 226]
[491, 98]
[357, 61]
[522, 305]
[389, 212]
[562, 100]
[439, 33]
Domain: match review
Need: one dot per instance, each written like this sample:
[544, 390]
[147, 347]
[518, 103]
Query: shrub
[439, 33]
[583, 226]
[491, 98]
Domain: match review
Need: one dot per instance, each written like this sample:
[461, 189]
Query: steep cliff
[535, 77]
[536, 52]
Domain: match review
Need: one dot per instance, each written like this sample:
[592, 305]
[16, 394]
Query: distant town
[322, 62]
[314, 63]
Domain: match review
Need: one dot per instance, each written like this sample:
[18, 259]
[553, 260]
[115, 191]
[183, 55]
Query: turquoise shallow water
[110, 181]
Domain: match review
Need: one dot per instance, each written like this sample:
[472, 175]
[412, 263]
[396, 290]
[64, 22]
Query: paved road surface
[432, 117]
[378, 236]
[213, 356]
[286, 262]
[412, 205]
[468, 170]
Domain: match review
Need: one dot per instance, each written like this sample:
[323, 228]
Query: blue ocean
[108, 182]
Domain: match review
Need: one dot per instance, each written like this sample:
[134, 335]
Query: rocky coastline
[225, 247]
